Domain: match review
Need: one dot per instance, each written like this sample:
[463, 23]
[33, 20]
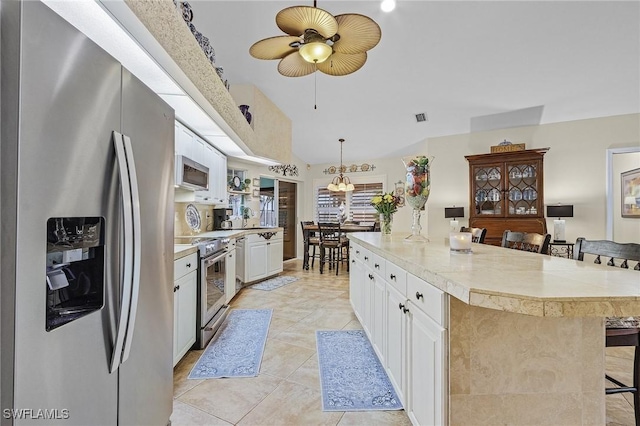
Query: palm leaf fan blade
[358, 33]
[295, 20]
[273, 47]
[293, 65]
[342, 63]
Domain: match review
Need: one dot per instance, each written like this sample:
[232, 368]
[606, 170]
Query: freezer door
[146, 376]
[69, 104]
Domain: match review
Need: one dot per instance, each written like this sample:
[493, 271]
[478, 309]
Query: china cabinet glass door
[488, 189]
[522, 188]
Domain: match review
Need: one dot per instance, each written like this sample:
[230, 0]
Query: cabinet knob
[377, 266]
[419, 295]
[366, 258]
[405, 310]
[370, 276]
[400, 306]
[175, 288]
[353, 261]
[391, 276]
[357, 251]
[188, 265]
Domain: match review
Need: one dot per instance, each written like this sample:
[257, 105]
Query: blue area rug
[236, 350]
[351, 376]
[274, 283]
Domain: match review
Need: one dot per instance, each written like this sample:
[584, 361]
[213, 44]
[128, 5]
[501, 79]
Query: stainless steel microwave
[191, 174]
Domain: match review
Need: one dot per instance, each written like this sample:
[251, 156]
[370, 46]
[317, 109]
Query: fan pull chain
[315, 86]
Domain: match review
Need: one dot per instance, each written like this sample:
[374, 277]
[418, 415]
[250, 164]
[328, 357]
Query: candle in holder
[460, 242]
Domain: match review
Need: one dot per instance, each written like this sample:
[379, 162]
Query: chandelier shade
[341, 183]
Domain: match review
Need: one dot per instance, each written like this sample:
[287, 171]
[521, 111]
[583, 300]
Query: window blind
[327, 203]
[361, 209]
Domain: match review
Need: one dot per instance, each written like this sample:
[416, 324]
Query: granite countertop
[182, 250]
[512, 280]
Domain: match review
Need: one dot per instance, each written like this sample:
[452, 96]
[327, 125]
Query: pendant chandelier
[340, 182]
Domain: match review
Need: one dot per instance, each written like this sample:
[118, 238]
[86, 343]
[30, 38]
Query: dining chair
[371, 225]
[310, 240]
[526, 241]
[619, 331]
[332, 245]
[477, 234]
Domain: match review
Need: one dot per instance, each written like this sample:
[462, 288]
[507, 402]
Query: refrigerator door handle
[137, 246]
[127, 267]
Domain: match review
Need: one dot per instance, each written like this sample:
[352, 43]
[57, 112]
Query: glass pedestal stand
[416, 228]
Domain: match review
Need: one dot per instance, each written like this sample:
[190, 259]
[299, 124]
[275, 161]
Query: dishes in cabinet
[494, 195]
[515, 194]
[481, 196]
[529, 194]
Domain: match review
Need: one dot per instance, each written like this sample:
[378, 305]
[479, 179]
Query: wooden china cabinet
[507, 192]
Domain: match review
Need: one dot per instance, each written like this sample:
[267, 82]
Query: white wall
[574, 171]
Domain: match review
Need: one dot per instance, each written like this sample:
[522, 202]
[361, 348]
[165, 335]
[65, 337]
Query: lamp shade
[560, 210]
[453, 212]
[316, 51]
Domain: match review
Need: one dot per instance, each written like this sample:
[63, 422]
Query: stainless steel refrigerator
[86, 216]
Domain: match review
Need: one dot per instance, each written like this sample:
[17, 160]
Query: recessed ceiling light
[388, 5]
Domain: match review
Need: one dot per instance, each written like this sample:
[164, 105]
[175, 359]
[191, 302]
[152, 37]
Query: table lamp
[559, 211]
[453, 212]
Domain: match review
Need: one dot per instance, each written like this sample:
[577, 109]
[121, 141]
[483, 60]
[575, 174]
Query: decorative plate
[364, 167]
[353, 168]
[237, 183]
[192, 216]
[332, 169]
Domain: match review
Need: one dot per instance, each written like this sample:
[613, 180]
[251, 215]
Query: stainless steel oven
[212, 281]
[211, 294]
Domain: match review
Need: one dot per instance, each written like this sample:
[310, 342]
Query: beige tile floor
[287, 390]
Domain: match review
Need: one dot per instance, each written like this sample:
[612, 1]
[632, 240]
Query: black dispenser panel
[75, 268]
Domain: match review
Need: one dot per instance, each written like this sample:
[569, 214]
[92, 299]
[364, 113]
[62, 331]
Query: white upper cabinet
[197, 149]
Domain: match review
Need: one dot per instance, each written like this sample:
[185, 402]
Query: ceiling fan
[317, 40]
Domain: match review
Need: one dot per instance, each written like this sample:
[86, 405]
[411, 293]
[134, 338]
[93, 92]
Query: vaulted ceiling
[456, 61]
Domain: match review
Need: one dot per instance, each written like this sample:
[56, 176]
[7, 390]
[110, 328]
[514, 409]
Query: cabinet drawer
[184, 265]
[366, 257]
[377, 264]
[397, 277]
[356, 252]
[426, 297]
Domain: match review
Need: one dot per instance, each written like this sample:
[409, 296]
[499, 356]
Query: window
[327, 204]
[357, 202]
[361, 209]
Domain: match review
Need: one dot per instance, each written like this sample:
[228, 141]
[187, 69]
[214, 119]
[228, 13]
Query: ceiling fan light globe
[315, 52]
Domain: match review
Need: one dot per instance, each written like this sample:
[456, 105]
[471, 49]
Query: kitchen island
[497, 336]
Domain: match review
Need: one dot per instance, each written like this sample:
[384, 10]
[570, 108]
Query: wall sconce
[453, 212]
[559, 211]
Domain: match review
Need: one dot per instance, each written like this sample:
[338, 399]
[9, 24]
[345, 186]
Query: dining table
[346, 228]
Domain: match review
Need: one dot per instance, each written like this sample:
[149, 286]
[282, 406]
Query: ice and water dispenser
[75, 268]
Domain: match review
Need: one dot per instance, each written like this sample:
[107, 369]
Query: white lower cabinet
[356, 286]
[405, 320]
[262, 256]
[185, 287]
[426, 369]
[397, 340]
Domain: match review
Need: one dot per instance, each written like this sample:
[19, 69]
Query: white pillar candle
[453, 225]
[460, 241]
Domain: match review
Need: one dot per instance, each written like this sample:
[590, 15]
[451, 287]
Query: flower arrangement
[385, 204]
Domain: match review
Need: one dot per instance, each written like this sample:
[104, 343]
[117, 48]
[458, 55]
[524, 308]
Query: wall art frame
[630, 193]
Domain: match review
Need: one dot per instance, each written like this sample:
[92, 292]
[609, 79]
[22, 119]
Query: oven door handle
[208, 262]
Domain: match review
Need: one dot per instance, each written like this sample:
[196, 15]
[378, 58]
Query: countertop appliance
[87, 231]
[213, 280]
[221, 219]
